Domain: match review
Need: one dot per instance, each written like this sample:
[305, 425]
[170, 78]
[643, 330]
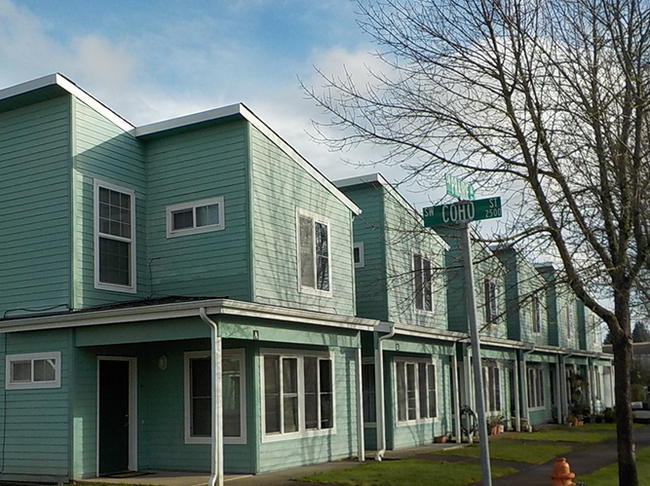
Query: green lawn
[583, 434]
[407, 472]
[608, 475]
[515, 450]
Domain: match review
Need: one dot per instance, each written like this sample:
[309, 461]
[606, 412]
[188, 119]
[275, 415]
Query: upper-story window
[114, 238]
[490, 293]
[313, 254]
[195, 217]
[569, 320]
[359, 257]
[536, 308]
[422, 278]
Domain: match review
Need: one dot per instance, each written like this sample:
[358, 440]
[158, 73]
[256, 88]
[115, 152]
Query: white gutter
[216, 464]
[379, 393]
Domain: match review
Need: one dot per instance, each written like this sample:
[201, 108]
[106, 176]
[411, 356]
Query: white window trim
[171, 233]
[316, 219]
[189, 439]
[537, 369]
[428, 420]
[491, 319]
[362, 258]
[535, 317]
[132, 289]
[486, 368]
[32, 385]
[427, 257]
[302, 432]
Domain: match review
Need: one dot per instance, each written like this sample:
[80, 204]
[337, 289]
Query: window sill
[411, 423]
[298, 435]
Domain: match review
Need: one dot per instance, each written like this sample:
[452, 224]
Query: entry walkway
[584, 459]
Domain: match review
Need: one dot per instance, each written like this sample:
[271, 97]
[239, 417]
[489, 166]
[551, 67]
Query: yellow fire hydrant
[562, 474]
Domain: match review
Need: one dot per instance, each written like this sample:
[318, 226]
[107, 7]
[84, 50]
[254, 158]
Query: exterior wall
[35, 201]
[406, 236]
[369, 230]
[190, 166]
[486, 266]
[104, 152]
[280, 188]
[36, 433]
[542, 415]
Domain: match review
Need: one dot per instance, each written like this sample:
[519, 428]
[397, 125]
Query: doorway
[116, 416]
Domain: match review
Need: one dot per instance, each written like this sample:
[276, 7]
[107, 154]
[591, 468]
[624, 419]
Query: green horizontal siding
[280, 188]
[35, 202]
[103, 151]
[187, 167]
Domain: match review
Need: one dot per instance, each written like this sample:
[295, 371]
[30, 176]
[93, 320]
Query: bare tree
[547, 99]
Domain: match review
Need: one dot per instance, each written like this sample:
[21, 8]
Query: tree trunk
[622, 346]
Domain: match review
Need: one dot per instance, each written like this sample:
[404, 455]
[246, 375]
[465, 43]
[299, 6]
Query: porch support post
[516, 390]
[455, 392]
[558, 392]
[360, 425]
[216, 463]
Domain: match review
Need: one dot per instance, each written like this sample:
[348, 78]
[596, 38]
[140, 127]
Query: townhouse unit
[139, 262]
[193, 295]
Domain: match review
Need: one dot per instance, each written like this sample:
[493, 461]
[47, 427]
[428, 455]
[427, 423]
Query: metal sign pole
[476, 353]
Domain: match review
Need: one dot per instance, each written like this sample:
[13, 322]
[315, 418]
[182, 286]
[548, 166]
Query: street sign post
[460, 214]
[462, 211]
[457, 188]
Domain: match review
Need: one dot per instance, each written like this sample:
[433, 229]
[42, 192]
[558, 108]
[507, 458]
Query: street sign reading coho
[462, 211]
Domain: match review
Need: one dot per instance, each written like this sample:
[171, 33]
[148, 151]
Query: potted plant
[440, 439]
[494, 424]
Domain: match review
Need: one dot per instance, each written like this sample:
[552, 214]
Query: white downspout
[360, 424]
[379, 393]
[216, 468]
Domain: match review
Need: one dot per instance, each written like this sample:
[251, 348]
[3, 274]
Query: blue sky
[150, 60]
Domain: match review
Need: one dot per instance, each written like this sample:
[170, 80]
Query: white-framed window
[490, 294]
[368, 387]
[359, 256]
[195, 217]
[198, 397]
[535, 387]
[492, 388]
[569, 320]
[33, 370]
[114, 238]
[298, 394]
[536, 311]
[415, 391]
[423, 283]
[314, 262]
[596, 330]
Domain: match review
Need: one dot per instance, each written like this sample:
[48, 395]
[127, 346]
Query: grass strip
[566, 435]
[407, 472]
[608, 475]
[515, 450]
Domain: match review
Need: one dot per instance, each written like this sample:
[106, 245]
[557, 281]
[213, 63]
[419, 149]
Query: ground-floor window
[198, 397]
[35, 370]
[415, 390]
[369, 398]
[492, 387]
[535, 387]
[298, 392]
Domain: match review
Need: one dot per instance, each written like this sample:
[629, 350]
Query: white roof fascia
[241, 109]
[428, 333]
[58, 79]
[184, 309]
[378, 178]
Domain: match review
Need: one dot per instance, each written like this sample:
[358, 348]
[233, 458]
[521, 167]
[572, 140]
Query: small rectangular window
[359, 257]
[195, 217]
[29, 371]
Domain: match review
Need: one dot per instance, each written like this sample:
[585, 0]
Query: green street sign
[461, 211]
[458, 189]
